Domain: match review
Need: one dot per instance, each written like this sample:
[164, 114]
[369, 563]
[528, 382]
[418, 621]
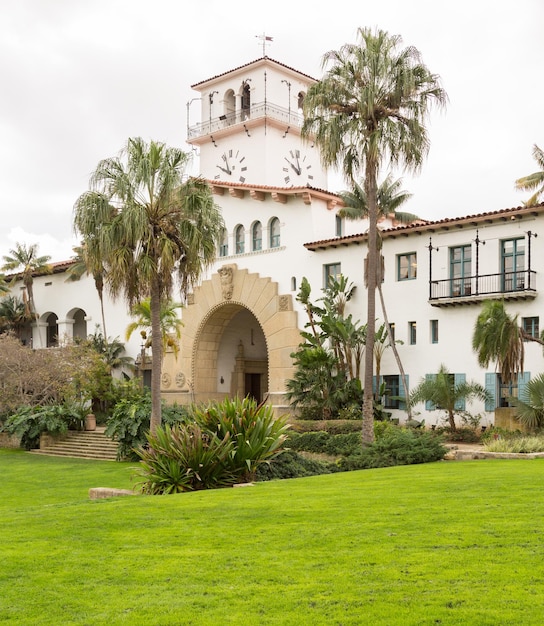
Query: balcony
[519, 285]
[257, 111]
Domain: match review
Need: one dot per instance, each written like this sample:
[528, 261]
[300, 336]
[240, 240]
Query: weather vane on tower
[265, 40]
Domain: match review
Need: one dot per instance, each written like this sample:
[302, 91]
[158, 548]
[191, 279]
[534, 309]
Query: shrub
[28, 423]
[334, 427]
[130, 421]
[325, 443]
[290, 464]
[464, 434]
[256, 433]
[516, 444]
[398, 447]
[184, 458]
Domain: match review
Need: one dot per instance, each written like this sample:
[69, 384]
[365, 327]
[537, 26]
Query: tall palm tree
[444, 393]
[389, 197]
[85, 264]
[4, 287]
[371, 107]
[534, 181]
[170, 323]
[24, 260]
[149, 226]
[498, 337]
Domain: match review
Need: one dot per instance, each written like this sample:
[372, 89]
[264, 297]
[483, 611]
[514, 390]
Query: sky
[79, 77]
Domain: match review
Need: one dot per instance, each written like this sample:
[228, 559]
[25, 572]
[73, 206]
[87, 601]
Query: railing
[256, 111]
[485, 284]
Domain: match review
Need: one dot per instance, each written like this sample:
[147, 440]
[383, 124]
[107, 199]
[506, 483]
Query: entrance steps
[84, 444]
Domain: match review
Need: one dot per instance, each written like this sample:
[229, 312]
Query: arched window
[257, 236]
[274, 231]
[224, 246]
[300, 101]
[52, 330]
[240, 236]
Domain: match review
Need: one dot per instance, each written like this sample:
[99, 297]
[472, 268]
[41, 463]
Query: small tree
[530, 411]
[444, 393]
[533, 182]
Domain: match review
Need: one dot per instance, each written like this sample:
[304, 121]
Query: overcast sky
[78, 77]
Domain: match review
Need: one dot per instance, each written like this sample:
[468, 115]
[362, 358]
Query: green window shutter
[430, 406]
[402, 395]
[460, 405]
[523, 379]
[491, 388]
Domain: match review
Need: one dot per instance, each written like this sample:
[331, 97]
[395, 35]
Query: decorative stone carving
[166, 380]
[190, 298]
[284, 303]
[180, 380]
[226, 275]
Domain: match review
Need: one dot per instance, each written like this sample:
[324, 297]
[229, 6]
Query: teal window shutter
[430, 406]
[491, 388]
[459, 379]
[523, 379]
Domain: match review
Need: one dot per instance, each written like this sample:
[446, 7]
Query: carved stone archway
[211, 308]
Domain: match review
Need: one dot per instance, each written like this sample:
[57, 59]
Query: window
[412, 333]
[274, 233]
[339, 226]
[460, 271]
[293, 283]
[257, 236]
[530, 326]
[392, 329]
[513, 264]
[331, 273]
[240, 239]
[406, 266]
[500, 393]
[434, 331]
[393, 397]
[224, 247]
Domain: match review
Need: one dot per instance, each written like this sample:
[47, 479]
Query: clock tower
[250, 125]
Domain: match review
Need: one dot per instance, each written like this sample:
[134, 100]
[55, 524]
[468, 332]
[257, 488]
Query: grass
[444, 543]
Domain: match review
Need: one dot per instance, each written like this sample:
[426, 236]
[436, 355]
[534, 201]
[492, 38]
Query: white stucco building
[242, 324]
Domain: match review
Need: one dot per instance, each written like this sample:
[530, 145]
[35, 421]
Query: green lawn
[444, 543]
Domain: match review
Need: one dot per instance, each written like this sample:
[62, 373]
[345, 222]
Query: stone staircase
[84, 444]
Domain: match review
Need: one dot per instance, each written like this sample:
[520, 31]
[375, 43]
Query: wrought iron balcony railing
[259, 110]
[505, 283]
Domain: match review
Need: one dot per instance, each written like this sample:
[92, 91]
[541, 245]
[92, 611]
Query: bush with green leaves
[184, 457]
[291, 464]
[255, 431]
[130, 422]
[399, 446]
[520, 444]
[325, 443]
[30, 422]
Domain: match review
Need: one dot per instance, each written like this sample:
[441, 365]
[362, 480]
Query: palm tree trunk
[368, 396]
[396, 353]
[156, 356]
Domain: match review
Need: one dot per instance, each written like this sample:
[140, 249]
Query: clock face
[297, 169]
[232, 165]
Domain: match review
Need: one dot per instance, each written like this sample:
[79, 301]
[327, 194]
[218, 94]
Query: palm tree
[170, 323]
[446, 394]
[389, 197]
[4, 287]
[14, 314]
[533, 181]
[149, 225]
[85, 264]
[498, 337]
[371, 106]
[530, 412]
[24, 260]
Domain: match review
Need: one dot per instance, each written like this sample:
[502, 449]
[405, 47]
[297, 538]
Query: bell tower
[250, 125]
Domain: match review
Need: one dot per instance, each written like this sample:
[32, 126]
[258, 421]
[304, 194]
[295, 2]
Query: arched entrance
[239, 329]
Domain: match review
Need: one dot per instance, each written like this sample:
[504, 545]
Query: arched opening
[245, 100]
[229, 104]
[224, 245]
[240, 239]
[80, 324]
[52, 329]
[300, 101]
